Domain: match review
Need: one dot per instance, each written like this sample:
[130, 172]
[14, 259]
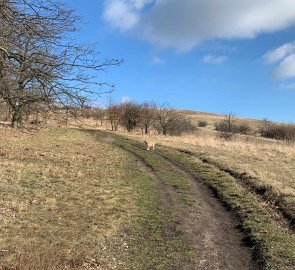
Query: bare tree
[114, 115]
[170, 121]
[227, 127]
[146, 116]
[130, 115]
[99, 115]
[39, 61]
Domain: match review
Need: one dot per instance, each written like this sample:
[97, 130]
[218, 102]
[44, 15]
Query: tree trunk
[16, 118]
[165, 131]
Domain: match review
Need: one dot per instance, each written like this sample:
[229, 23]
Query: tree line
[142, 116]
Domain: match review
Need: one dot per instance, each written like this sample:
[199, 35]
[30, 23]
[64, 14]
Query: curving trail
[210, 228]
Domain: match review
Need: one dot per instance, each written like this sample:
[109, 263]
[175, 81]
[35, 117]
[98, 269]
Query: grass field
[65, 199]
[71, 199]
[79, 199]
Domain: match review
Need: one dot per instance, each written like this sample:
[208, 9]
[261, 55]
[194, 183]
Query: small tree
[130, 115]
[146, 116]
[227, 127]
[99, 115]
[114, 114]
[171, 122]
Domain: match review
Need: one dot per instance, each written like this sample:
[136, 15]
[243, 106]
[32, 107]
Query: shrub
[181, 125]
[227, 127]
[168, 121]
[279, 132]
[243, 129]
[202, 124]
[130, 116]
[223, 127]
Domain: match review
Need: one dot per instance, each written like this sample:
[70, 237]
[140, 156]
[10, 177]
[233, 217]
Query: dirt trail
[211, 229]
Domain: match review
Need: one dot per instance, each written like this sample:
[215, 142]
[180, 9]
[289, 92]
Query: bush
[181, 125]
[130, 116]
[228, 127]
[168, 121]
[223, 126]
[202, 124]
[243, 129]
[279, 132]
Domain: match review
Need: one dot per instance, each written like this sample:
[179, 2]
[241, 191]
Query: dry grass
[65, 200]
[271, 162]
[212, 119]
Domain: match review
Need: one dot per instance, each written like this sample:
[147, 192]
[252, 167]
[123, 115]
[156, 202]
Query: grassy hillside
[81, 199]
[212, 118]
[253, 175]
[64, 199]
[72, 199]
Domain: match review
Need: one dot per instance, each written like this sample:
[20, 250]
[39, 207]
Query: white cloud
[214, 59]
[284, 56]
[123, 14]
[279, 53]
[286, 68]
[184, 24]
[120, 15]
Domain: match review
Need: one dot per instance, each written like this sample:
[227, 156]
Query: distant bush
[202, 124]
[181, 125]
[243, 129]
[223, 127]
[87, 112]
[168, 121]
[279, 132]
[228, 127]
[130, 116]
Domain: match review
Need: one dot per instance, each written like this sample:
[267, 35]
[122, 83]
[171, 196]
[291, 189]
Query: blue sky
[215, 56]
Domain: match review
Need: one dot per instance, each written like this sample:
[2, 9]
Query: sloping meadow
[66, 201]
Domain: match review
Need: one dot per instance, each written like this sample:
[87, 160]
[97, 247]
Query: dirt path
[212, 229]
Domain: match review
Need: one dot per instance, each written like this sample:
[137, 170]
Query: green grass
[153, 245]
[169, 175]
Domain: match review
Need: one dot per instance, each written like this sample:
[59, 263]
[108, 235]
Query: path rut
[212, 229]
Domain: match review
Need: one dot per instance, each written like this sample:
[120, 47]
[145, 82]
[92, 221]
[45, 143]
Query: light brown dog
[150, 145]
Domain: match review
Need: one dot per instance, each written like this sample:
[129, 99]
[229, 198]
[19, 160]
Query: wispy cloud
[284, 57]
[214, 59]
[158, 61]
[286, 68]
[279, 53]
[184, 24]
[287, 86]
